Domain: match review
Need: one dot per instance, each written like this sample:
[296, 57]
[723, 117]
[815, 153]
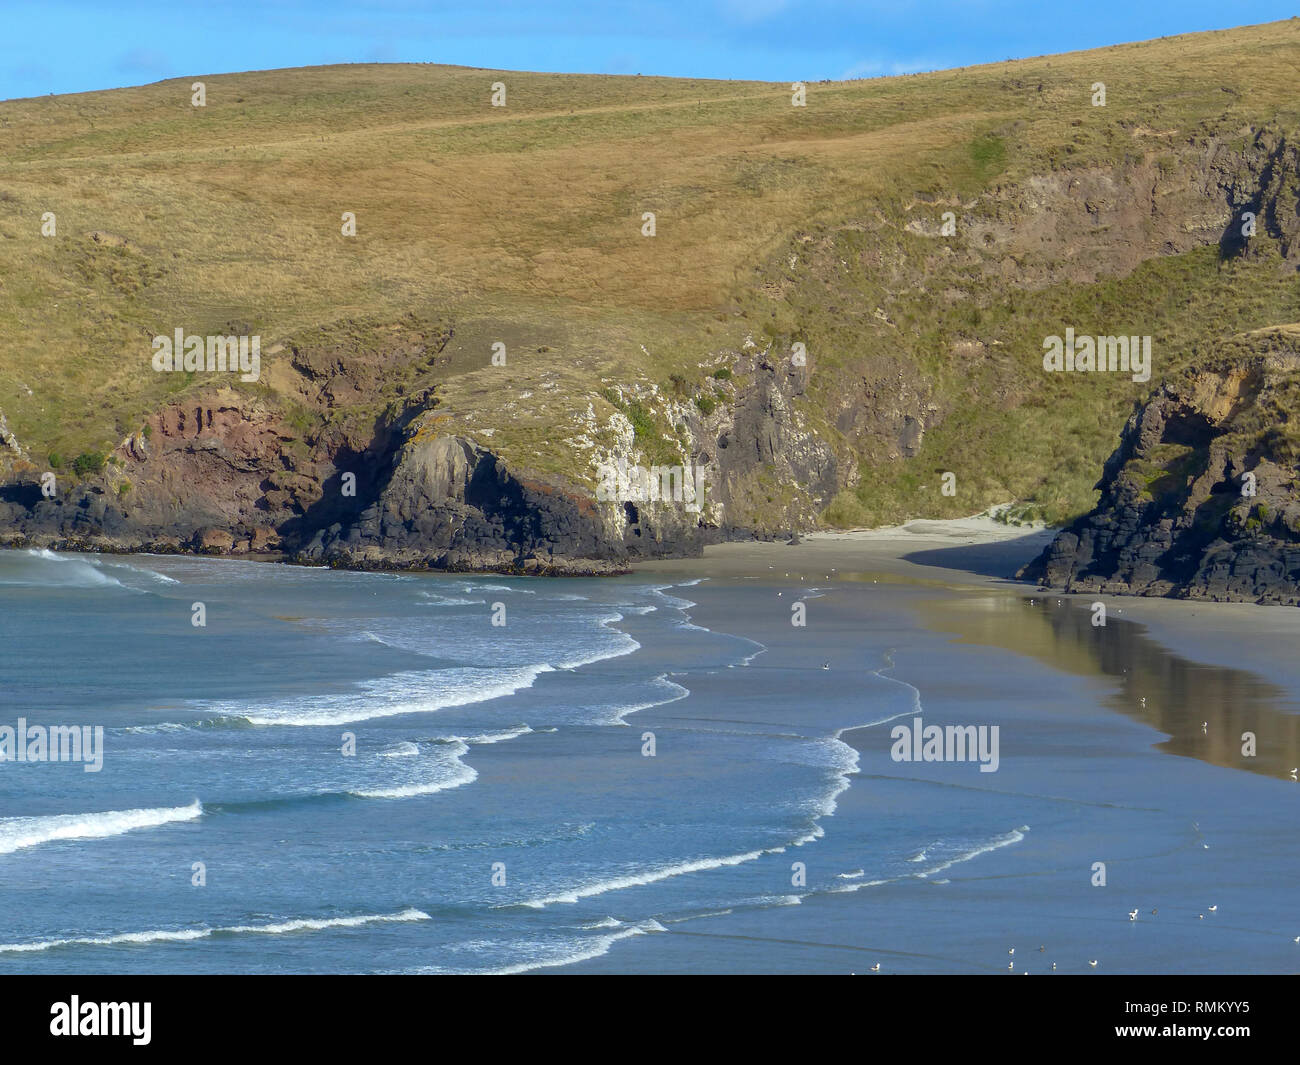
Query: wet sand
[1121, 744]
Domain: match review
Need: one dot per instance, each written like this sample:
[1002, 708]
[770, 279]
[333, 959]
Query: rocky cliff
[224, 472]
[1201, 500]
[838, 322]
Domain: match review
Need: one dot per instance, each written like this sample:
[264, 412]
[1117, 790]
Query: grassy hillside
[523, 224]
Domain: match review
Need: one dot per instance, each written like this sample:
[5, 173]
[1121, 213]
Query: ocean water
[502, 813]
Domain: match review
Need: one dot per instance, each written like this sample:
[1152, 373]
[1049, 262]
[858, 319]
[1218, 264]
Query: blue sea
[348, 772]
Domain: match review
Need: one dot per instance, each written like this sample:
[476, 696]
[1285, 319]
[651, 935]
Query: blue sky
[58, 46]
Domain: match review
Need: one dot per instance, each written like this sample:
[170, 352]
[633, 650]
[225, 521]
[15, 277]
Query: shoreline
[1103, 758]
[979, 555]
[1106, 748]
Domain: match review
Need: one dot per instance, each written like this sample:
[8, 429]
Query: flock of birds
[1093, 962]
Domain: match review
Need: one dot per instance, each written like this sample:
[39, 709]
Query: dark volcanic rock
[449, 504]
[1201, 500]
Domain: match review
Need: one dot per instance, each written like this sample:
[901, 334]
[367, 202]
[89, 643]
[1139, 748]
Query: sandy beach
[977, 553]
[720, 765]
[1122, 786]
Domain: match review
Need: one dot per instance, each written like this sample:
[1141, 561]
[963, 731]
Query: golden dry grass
[520, 223]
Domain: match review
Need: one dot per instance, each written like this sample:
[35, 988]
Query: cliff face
[844, 310]
[226, 473]
[448, 504]
[1201, 500]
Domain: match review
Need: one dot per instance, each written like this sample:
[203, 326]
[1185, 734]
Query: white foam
[672, 600]
[302, 924]
[161, 578]
[569, 953]
[433, 599]
[842, 759]
[411, 791]
[698, 916]
[998, 842]
[621, 644]
[65, 571]
[1014, 836]
[652, 876]
[17, 833]
[441, 771]
[101, 566]
[604, 922]
[149, 730]
[402, 693]
[496, 737]
[671, 690]
[856, 886]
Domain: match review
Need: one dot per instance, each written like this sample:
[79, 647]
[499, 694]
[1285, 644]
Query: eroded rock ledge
[1201, 499]
[227, 473]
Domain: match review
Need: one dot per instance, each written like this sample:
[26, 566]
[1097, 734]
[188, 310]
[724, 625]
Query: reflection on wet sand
[1204, 709]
